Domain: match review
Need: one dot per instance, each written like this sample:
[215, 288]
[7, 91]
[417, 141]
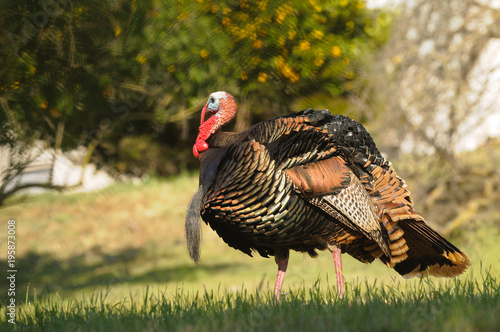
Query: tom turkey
[309, 181]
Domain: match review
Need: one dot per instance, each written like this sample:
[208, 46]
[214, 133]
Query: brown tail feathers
[429, 253]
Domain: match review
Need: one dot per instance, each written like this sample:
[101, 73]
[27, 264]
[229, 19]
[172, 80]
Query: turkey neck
[222, 139]
[211, 158]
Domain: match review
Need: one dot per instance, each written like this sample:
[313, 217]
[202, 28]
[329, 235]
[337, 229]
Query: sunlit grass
[421, 305]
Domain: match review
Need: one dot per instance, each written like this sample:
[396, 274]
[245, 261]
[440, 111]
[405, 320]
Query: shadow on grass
[49, 274]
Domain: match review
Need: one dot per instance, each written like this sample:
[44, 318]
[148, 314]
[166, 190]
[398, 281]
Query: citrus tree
[89, 72]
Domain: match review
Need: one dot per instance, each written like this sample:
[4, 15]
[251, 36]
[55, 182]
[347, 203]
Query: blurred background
[100, 105]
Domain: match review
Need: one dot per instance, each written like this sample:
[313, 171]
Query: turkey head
[223, 108]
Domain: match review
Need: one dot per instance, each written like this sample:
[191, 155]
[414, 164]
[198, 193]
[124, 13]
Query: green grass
[458, 305]
[116, 260]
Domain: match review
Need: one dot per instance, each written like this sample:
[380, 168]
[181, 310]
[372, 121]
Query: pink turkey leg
[282, 265]
[337, 259]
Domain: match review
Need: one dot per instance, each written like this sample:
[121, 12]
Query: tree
[274, 56]
[117, 74]
[63, 60]
[270, 54]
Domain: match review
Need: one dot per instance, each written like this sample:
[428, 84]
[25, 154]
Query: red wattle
[198, 147]
[201, 146]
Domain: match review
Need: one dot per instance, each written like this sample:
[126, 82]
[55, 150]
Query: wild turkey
[309, 181]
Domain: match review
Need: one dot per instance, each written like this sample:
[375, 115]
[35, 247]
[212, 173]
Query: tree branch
[7, 194]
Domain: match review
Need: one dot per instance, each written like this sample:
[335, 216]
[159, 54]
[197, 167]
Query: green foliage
[267, 53]
[66, 59]
[88, 72]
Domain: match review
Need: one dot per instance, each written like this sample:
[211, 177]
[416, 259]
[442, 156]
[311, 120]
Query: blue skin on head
[213, 104]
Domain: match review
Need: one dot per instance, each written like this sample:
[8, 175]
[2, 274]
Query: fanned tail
[429, 253]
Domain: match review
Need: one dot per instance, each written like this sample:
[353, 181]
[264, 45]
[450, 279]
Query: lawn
[116, 259]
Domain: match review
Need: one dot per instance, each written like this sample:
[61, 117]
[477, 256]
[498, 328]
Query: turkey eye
[211, 100]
